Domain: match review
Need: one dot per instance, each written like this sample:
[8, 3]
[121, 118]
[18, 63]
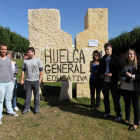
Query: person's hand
[102, 76]
[21, 82]
[128, 74]
[96, 72]
[109, 74]
[39, 81]
[12, 81]
[16, 73]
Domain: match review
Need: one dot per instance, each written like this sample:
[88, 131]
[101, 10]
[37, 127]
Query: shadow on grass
[51, 97]
[81, 109]
[55, 91]
[78, 108]
[51, 94]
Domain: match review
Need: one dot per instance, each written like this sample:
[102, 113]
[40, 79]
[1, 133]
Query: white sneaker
[13, 114]
[0, 121]
[16, 108]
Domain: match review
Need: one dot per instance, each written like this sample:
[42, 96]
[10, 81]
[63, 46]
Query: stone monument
[45, 32]
[96, 28]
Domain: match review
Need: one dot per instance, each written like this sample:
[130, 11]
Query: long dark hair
[98, 53]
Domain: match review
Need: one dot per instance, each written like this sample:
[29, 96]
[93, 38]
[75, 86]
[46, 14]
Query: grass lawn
[67, 120]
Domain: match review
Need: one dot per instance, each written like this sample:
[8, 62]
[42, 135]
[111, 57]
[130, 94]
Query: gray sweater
[6, 73]
[32, 68]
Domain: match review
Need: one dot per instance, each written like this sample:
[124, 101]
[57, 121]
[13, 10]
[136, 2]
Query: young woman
[94, 81]
[130, 87]
[15, 72]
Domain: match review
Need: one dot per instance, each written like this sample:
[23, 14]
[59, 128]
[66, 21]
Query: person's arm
[22, 73]
[99, 70]
[119, 64]
[22, 77]
[119, 68]
[40, 76]
[99, 67]
[40, 70]
[11, 71]
[135, 77]
[90, 67]
[16, 69]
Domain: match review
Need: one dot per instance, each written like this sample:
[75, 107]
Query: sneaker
[0, 121]
[16, 108]
[117, 119]
[13, 114]
[36, 111]
[106, 115]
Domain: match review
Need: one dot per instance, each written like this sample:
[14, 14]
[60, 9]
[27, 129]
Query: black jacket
[114, 67]
[136, 82]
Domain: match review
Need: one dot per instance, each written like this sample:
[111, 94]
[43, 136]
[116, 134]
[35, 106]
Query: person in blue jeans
[15, 72]
[6, 82]
[94, 81]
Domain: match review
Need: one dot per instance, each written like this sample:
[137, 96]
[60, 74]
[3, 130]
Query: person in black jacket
[130, 87]
[109, 72]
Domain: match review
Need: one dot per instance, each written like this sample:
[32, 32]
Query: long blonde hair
[135, 62]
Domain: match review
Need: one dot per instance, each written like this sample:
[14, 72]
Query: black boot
[25, 111]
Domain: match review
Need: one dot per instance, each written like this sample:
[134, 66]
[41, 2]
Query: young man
[34, 72]
[109, 72]
[6, 82]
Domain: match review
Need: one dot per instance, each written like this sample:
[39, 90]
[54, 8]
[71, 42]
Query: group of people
[109, 74]
[106, 72]
[8, 82]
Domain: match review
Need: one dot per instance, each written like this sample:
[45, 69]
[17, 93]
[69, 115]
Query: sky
[123, 15]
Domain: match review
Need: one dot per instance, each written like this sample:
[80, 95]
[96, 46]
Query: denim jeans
[15, 94]
[6, 91]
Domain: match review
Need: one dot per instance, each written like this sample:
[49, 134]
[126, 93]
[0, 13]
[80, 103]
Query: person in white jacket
[15, 72]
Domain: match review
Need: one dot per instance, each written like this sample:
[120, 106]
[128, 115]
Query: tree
[126, 40]
[13, 40]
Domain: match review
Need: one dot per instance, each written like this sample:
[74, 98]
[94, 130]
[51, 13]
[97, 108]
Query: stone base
[83, 90]
[66, 91]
